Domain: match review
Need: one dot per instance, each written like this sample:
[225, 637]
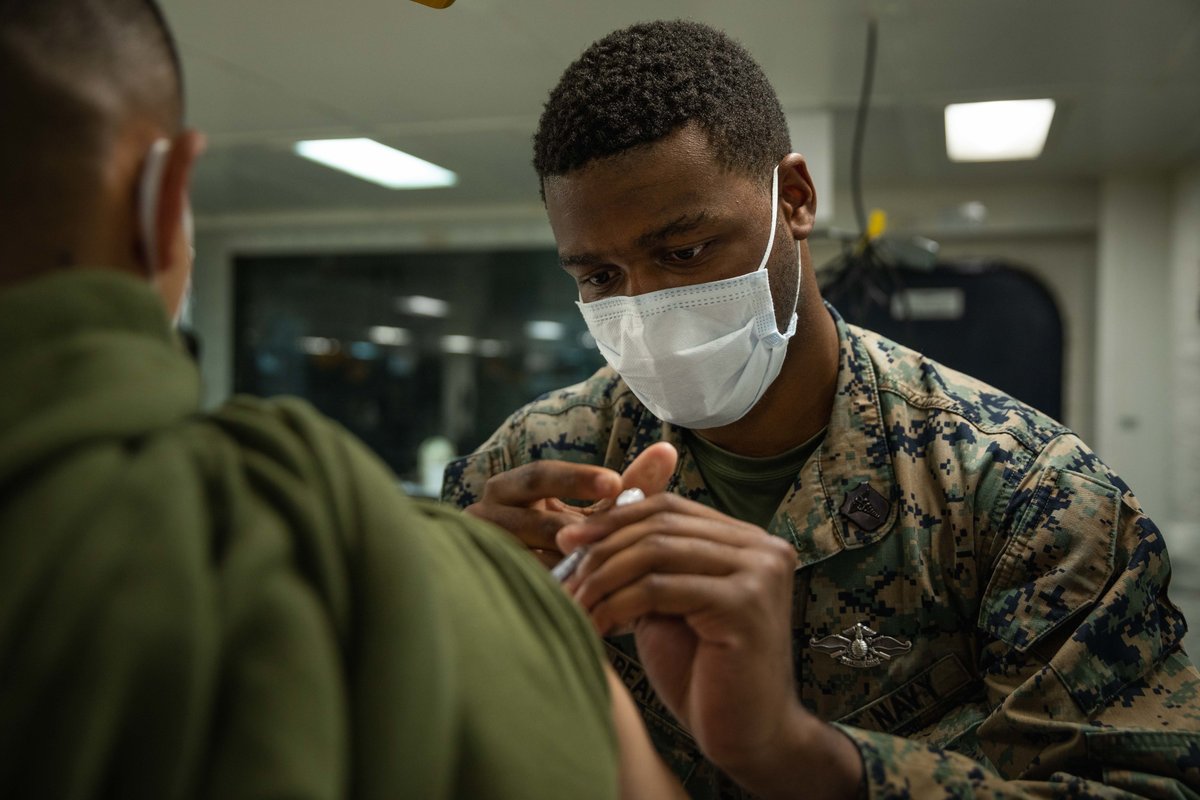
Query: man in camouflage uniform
[977, 605]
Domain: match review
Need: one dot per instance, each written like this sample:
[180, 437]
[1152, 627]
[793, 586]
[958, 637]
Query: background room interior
[421, 318]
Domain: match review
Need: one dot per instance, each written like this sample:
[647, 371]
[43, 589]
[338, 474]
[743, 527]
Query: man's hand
[528, 501]
[525, 501]
[710, 600]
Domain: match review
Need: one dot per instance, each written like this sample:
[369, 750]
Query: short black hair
[74, 74]
[641, 83]
[125, 43]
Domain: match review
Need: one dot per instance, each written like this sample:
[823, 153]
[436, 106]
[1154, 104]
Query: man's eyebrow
[580, 260]
[680, 225]
[684, 224]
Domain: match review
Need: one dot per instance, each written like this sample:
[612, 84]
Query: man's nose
[641, 280]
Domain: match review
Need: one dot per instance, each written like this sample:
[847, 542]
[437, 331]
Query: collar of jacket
[86, 354]
[854, 452]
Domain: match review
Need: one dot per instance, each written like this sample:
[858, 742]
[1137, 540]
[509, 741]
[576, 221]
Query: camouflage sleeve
[1088, 692]
[464, 478]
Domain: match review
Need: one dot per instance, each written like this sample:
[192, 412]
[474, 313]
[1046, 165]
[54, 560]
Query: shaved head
[76, 77]
[112, 54]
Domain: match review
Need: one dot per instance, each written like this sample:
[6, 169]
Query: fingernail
[568, 537]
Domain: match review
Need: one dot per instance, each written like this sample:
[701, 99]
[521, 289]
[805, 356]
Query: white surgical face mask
[697, 356]
[149, 187]
[184, 315]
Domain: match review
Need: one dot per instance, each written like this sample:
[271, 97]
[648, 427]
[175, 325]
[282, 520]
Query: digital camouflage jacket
[980, 603]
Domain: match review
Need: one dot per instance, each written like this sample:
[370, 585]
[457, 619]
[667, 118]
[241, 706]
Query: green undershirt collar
[746, 487]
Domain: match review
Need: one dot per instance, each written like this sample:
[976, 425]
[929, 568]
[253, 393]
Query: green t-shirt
[746, 487]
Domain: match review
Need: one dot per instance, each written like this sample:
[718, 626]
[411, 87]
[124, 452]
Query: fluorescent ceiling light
[974, 212]
[1003, 130]
[422, 306]
[319, 345]
[378, 163]
[545, 330]
[387, 335]
[457, 343]
[493, 348]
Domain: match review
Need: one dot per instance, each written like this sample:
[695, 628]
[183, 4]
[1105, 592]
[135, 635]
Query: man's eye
[598, 279]
[686, 254]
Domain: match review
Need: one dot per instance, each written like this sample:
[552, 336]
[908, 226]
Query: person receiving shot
[235, 603]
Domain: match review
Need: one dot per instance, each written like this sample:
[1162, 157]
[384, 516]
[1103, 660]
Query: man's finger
[656, 553]
[665, 595]
[720, 530]
[535, 528]
[601, 525]
[651, 471]
[529, 483]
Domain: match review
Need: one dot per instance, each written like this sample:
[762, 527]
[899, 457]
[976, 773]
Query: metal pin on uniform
[566, 568]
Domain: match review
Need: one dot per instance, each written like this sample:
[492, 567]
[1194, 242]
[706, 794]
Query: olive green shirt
[242, 604]
[747, 487]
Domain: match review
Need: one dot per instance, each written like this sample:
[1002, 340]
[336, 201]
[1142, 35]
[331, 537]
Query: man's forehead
[641, 197]
[585, 248]
[625, 232]
[683, 157]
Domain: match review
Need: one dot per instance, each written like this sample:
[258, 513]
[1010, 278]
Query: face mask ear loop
[767, 255]
[149, 187]
[774, 218]
[799, 275]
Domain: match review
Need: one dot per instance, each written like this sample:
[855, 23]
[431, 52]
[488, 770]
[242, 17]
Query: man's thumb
[651, 471]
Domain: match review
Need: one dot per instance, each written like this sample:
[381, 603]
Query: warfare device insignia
[865, 507]
[860, 647]
[862, 505]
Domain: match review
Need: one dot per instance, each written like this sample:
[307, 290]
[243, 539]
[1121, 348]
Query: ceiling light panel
[1002, 130]
[377, 163]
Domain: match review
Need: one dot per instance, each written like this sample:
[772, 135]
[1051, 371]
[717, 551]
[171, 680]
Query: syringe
[566, 568]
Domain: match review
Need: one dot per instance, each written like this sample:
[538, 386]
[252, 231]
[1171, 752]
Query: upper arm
[1081, 642]
[642, 772]
[1088, 692]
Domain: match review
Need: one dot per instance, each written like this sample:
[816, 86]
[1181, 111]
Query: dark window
[402, 348]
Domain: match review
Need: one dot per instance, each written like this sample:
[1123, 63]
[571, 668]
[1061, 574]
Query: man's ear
[171, 241]
[797, 197]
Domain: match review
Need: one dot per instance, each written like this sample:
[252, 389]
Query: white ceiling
[463, 87]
